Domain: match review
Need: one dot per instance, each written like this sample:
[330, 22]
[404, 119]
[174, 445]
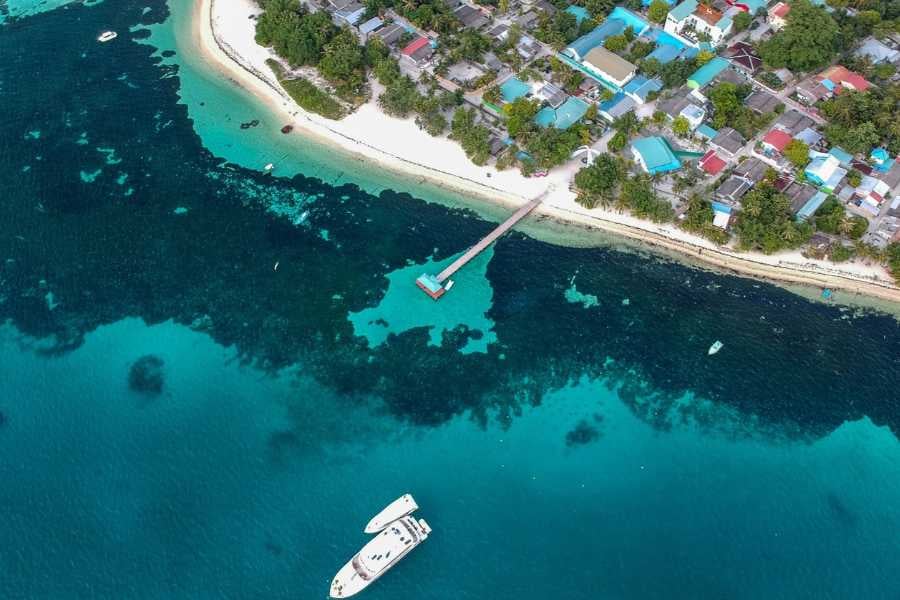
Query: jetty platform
[434, 285]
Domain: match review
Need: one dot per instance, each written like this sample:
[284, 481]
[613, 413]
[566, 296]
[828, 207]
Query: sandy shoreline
[226, 42]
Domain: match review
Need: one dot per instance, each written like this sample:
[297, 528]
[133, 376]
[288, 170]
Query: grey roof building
[470, 16]
[762, 102]
[793, 122]
[752, 170]
[728, 140]
[733, 189]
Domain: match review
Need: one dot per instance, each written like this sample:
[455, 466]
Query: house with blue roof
[615, 24]
[615, 107]
[580, 47]
[691, 18]
[705, 74]
[655, 155]
[639, 88]
[825, 171]
[579, 12]
[844, 157]
[570, 112]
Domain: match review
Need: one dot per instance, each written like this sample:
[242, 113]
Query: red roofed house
[418, 51]
[778, 15]
[842, 77]
[776, 140]
[711, 163]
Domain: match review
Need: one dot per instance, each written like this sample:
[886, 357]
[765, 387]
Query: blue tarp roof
[512, 89]
[842, 155]
[812, 205]
[569, 113]
[707, 131]
[683, 10]
[707, 72]
[656, 154]
[665, 53]
[640, 86]
[630, 19]
[580, 47]
[370, 25]
[579, 12]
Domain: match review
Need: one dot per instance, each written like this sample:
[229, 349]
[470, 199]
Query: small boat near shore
[398, 534]
[107, 36]
[287, 129]
[269, 167]
[717, 345]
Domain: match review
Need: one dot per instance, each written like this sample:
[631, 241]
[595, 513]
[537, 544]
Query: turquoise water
[212, 377]
[242, 484]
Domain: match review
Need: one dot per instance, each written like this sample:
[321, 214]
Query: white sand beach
[226, 35]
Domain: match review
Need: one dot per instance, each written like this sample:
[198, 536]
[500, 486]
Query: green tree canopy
[797, 152]
[681, 126]
[742, 21]
[657, 11]
[520, 115]
[809, 40]
[765, 222]
[599, 183]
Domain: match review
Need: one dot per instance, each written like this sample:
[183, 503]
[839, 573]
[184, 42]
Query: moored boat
[401, 507]
[395, 540]
[107, 36]
[717, 345]
[287, 128]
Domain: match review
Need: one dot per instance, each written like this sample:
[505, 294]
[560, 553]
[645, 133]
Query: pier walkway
[434, 285]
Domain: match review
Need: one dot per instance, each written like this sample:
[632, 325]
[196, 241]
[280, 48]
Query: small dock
[433, 285]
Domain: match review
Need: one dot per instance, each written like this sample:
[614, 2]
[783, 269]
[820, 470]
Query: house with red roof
[776, 141]
[711, 163]
[841, 78]
[777, 15]
[418, 51]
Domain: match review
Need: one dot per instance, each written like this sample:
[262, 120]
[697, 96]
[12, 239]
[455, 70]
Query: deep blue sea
[179, 419]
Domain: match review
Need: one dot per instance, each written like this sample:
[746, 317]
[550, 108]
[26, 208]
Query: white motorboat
[449, 285]
[107, 36]
[269, 167]
[395, 540]
[401, 507]
[717, 345]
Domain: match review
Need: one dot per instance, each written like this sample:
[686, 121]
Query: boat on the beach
[107, 36]
[287, 128]
[396, 539]
[717, 345]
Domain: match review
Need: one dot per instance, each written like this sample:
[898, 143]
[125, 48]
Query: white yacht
[717, 345]
[398, 534]
[107, 36]
[401, 507]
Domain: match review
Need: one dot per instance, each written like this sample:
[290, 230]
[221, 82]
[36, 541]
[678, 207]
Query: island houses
[693, 21]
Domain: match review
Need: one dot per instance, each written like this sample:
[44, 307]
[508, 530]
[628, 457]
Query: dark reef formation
[146, 375]
[583, 433]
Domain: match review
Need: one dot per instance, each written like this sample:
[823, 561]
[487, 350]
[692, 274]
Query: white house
[690, 19]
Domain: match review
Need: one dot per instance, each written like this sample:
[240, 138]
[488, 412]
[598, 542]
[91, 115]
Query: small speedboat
[287, 129]
[269, 167]
[449, 285]
[107, 36]
[717, 345]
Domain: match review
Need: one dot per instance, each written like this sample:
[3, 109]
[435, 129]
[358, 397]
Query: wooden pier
[434, 285]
